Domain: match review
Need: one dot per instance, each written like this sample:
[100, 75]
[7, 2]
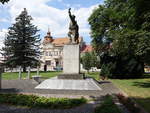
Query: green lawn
[14, 75]
[138, 89]
[93, 75]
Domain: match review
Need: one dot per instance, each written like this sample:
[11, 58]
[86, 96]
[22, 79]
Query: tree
[95, 61]
[88, 60]
[22, 43]
[3, 1]
[120, 30]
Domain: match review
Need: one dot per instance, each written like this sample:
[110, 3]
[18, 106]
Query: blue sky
[49, 13]
[73, 3]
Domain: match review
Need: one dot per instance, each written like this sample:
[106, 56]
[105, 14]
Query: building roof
[86, 48]
[57, 41]
[60, 41]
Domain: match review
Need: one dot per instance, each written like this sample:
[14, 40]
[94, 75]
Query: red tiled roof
[59, 41]
[87, 48]
[47, 40]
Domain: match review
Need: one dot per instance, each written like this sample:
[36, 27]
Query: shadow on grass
[143, 103]
[142, 84]
[146, 75]
[104, 82]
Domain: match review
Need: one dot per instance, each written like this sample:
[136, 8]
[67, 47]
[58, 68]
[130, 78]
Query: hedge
[40, 102]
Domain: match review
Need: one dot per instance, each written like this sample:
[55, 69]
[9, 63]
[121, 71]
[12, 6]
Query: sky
[52, 14]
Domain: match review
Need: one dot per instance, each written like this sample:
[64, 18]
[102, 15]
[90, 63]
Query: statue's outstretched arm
[69, 11]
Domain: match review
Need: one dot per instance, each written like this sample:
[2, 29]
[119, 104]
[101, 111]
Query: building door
[57, 63]
[45, 68]
[47, 63]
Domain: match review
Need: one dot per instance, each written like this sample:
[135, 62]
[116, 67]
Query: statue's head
[74, 16]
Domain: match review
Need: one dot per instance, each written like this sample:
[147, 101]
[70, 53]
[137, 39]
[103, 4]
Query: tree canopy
[22, 43]
[121, 28]
[3, 1]
[89, 59]
[86, 61]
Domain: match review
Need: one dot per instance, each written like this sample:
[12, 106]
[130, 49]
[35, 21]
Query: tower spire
[49, 33]
[48, 29]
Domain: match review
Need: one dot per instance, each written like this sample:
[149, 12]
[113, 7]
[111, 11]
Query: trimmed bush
[41, 102]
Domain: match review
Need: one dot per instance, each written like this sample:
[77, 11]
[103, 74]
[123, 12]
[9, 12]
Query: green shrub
[35, 101]
[107, 106]
[121, 66]
[107, 69]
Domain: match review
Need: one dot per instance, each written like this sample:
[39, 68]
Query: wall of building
[51, 57]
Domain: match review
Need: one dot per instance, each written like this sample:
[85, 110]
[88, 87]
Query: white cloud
[45, 15]
[2, 37]
[3, 20]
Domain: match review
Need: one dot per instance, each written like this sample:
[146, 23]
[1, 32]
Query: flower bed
[130, 104]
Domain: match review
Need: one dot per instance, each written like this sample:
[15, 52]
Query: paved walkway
[27, 87]
[87, 108]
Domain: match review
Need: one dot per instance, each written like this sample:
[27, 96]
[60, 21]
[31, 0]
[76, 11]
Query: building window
[50, 54]
[56, 53]
[46, 53]
[48, 62]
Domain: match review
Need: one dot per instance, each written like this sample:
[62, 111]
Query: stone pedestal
[71, 62]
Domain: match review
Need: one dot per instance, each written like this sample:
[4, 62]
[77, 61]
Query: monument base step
[71, 76]
[68, 84]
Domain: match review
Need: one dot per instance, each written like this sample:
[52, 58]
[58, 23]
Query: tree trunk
[88, 71]
[24, 68]
[143, 67]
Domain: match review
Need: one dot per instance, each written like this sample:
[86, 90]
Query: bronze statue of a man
[73, 29]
